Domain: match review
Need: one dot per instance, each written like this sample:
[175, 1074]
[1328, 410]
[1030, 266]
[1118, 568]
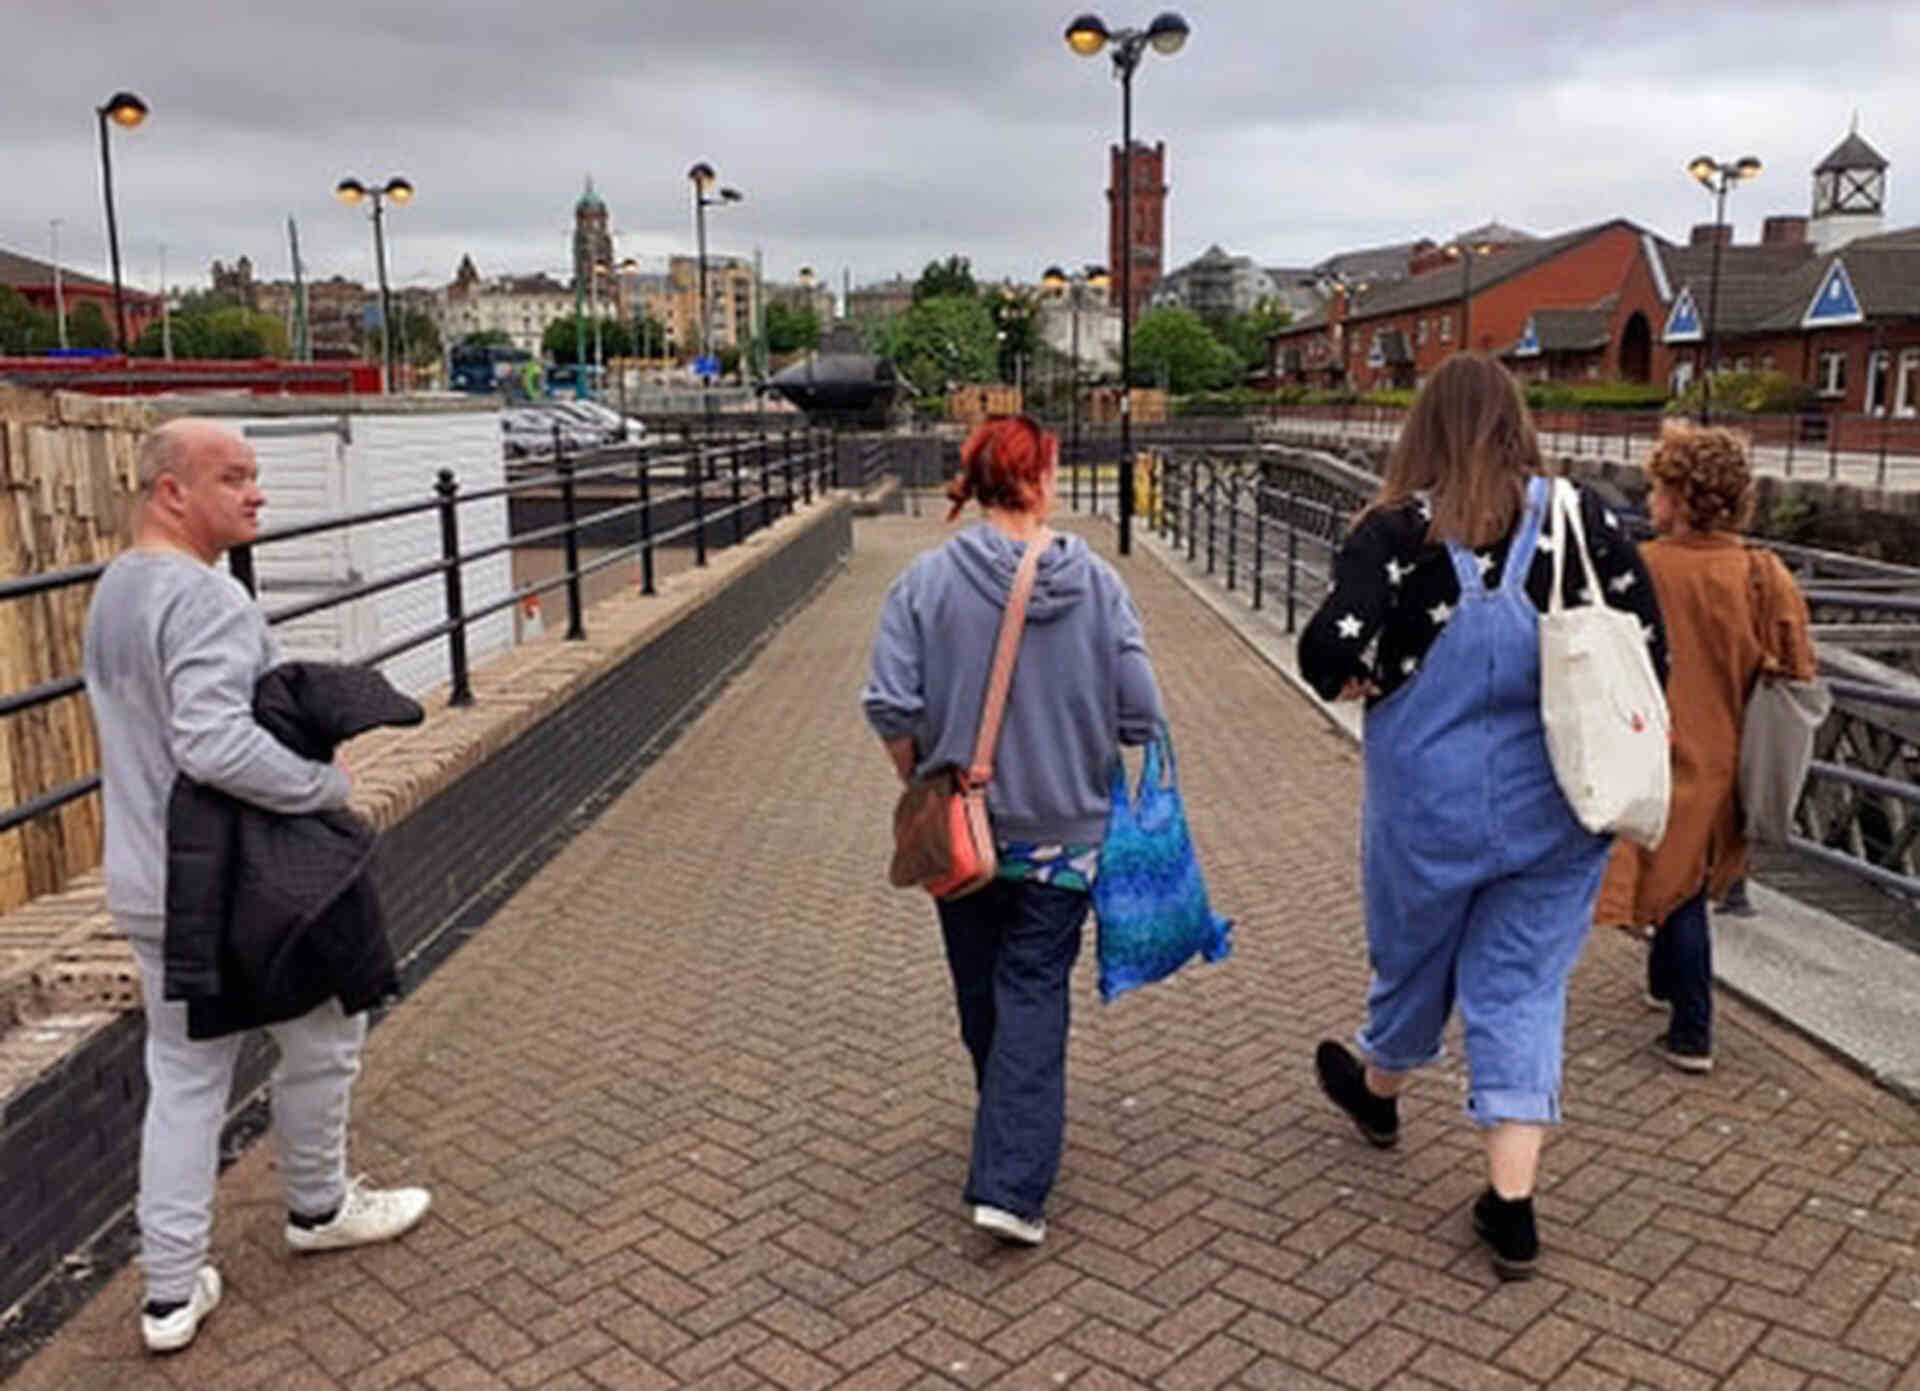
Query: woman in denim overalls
[1479, 881]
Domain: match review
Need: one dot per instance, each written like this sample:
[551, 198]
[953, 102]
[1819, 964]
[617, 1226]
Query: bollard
[448, 488]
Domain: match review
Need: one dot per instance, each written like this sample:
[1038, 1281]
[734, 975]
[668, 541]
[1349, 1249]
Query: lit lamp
[125, 110]
[1087, 36]
[398, 191]
[1464, 252]
[1716, 178]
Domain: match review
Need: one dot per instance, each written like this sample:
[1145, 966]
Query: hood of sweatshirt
[988, 559]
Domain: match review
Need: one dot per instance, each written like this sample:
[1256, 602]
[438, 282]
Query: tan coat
[1706, 600]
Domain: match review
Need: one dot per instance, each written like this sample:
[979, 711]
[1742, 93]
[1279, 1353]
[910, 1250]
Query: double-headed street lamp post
[1464, 252]
[1086, 36]
[1716, 178]
[396, 190]
[1056, 281]
[702, 177]
[125, 110]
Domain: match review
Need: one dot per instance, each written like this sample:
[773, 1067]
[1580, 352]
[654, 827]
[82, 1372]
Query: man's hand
[901, 752]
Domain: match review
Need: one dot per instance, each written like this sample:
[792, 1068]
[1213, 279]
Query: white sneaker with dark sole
[171, 1332]
[366, 1215]
[1008, 1227]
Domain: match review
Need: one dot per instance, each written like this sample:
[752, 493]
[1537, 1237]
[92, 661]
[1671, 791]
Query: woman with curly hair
[1721, 601]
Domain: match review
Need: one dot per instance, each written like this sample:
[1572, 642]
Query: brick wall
[69, 1139]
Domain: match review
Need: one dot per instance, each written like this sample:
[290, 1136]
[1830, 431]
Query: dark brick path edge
[69, 1145]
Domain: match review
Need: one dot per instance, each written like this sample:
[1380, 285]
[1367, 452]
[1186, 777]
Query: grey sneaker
[366, 1215]
[1009, 1227]
[173, 1330]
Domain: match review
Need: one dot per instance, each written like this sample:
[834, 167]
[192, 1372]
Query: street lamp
[1464, 252]
[1056, 282]
[395, 190]
[702, 177]
[125, 110]
[1716, 178]
[1086, 36]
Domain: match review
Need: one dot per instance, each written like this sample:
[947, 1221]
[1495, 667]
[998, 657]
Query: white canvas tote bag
[1605, 714]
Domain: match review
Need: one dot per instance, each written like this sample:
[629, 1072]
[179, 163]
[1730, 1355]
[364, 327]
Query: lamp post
[1464, 252]
[1086, 36]
[395, 190]
[125, 110]
[1056, 281]
[1716, 178]
[59, 294]
[702, 177]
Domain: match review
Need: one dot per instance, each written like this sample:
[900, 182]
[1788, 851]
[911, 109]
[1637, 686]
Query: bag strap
[1566, 508]
[1012, 623]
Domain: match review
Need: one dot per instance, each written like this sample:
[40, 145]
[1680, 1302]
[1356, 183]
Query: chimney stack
[1785, 230]
[1704, 233]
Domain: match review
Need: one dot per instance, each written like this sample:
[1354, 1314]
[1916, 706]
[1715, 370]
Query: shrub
[1755, 392]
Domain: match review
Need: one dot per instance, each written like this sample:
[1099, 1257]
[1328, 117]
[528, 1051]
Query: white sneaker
[366, 1215]
[174, 1331]
[1008, 1227]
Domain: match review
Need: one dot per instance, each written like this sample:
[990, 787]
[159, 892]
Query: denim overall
[1479, 882]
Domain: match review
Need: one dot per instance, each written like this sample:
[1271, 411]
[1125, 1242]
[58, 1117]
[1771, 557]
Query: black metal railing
[725, 487]
[1271, 533]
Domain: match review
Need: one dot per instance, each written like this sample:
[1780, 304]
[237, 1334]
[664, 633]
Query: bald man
[174, 649]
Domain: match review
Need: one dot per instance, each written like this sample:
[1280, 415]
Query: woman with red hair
[1082, 686]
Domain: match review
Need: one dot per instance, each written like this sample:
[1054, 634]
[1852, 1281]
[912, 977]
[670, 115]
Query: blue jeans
[1680, 972]
[1011, 947]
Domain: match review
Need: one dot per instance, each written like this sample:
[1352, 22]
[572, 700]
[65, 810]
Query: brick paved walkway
[694, 1112]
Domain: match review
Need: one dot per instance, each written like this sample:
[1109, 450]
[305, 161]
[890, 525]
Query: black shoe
[1506, 1225]
[1344, 1081]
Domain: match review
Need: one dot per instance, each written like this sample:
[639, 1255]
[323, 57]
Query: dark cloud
[876, 136]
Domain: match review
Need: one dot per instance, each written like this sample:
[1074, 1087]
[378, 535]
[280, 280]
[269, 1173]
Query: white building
[520, 306]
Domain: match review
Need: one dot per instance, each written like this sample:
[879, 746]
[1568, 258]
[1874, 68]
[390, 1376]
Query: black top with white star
[1390, 581]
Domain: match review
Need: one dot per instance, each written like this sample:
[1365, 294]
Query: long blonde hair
[1469, 444]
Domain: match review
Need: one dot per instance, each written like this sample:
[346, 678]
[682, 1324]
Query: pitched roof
[1375, 263]
[24, 271]
[1494, 233]
[1886, 281]
[1573, 330]
[1852, 153]
[1443, 285]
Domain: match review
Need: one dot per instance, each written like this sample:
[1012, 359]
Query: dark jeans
[1011, 947]
[1680, 972]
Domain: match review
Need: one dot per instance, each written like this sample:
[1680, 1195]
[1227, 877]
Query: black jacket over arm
[269, 915]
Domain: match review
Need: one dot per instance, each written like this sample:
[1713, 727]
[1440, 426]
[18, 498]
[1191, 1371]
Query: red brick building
[34, 280]
[1148, 222]
[1829, 299]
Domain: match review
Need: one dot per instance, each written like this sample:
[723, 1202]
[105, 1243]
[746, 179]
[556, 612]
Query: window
[1743, 363]
[1446, 328]
[1766, 362]
[1906, 395]
[1422, 334]
[1682, 375]
[1879, 374]
[1832, 375]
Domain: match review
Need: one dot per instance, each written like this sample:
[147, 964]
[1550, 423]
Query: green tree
[1173, 346]
[1247, 333]
[87, 326]
[417, 338]
[24, 329]
[488, 338]
[941, 279]
[204, 327]
[560, 340]
[1016, 323]
[791, 327]
[940, 341]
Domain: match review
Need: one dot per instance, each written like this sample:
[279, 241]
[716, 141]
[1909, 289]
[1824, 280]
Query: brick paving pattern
[695, 1114]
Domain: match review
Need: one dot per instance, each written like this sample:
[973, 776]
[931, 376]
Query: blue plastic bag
[1148, 895]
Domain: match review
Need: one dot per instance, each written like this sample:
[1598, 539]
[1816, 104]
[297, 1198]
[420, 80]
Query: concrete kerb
[1846, 991]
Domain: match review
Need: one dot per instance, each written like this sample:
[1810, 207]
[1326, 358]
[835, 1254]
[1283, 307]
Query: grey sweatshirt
[1083, 684]
[174, 649]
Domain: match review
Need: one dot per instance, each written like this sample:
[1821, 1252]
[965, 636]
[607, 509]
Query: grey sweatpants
[188, 1082]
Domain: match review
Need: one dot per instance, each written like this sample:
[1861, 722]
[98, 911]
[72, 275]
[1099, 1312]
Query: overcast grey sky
[877, 134]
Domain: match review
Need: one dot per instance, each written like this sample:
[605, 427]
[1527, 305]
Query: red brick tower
[1149, 218]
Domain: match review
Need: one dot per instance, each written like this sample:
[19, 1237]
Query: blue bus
[486, 368]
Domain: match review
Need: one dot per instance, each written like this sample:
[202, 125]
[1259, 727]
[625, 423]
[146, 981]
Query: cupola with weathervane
[1849, 194]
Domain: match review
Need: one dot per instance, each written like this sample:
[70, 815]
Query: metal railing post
[447, 488]
[739, 522]
[1882, 477]
[1193, 508]
[806, 473]
[646, 523]
[786, 486]
[1293, 559]
[700, 502]
[1259, 541]
[1233, 529]
[766, 495]
[240, 564]
[1213, 511]
[569, 510]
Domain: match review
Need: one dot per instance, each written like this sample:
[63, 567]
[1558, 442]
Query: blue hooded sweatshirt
[1082, 686]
